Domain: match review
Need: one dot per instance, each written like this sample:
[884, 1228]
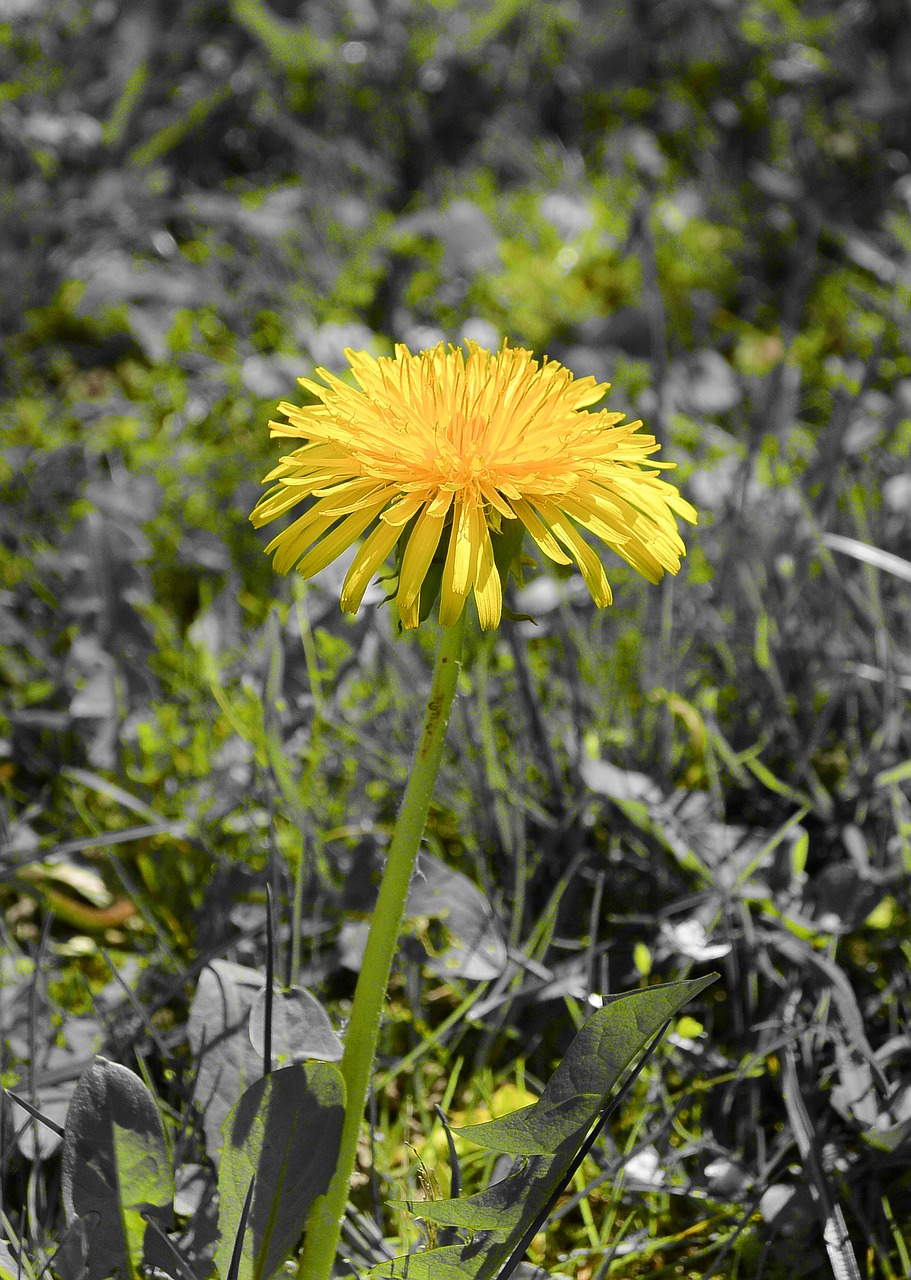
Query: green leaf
[285, 1132]
[546, 1137]
[219, 1033]
[12, 1268]
[300, 1027]
[9, 1267]
[477, 950]
[116, 1166]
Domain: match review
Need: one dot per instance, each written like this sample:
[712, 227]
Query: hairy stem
[324, 1225]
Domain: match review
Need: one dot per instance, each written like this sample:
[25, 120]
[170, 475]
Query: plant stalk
[324, 1224]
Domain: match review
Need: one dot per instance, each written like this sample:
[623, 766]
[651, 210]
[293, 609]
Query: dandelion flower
[438, 454]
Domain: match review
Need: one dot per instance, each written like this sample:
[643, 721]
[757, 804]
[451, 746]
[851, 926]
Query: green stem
[324, 1225]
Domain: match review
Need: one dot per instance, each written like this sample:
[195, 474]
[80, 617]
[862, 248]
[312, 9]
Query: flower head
[446, 458]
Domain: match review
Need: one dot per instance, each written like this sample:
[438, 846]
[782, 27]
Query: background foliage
[707, 203]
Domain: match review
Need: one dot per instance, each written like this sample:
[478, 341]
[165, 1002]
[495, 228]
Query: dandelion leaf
[545, 1138]
[219, 1032]
[116, 1169]
[300, 1027]
[477, 950]
[284, 1132]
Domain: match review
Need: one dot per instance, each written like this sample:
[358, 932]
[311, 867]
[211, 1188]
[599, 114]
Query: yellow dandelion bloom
[437, 453]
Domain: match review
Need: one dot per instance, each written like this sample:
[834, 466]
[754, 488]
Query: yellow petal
[451, 607]
[487, 590]
[460, 558]
[539, 531]
[339, 540]
[420, 550]
[344, 499]
[403, 511]
[376, 547]
[274, 503]
[611, 532]
[459, 569]
[410, 614]
[497, 501]
[585, 557]
[292, 542]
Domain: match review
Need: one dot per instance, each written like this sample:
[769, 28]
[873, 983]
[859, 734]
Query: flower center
[460, 460]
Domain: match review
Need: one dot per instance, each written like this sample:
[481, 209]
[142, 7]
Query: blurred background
[706, 203]
[616, 183]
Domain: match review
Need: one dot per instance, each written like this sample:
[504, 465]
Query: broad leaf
[477, 950]
[219, 1032]
[12, 1268]
[196, 1203]
[116, 1166]
[300, 1027]
[546, 1137]
[285, 1132]
[474, 946]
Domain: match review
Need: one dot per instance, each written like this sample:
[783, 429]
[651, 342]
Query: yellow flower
[440, 453]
